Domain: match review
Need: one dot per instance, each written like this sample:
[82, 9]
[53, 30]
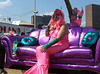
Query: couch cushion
[42, 38]
[90, 39]
[71, 52]
[84, 31]
[27, 58]
[29, 41]
[73, 61]
[74, 35]
[26, 50]
[75, 52]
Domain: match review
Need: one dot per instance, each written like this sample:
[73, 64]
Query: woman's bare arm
[62, 32]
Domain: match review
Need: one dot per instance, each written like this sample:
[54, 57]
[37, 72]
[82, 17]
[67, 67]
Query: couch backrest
[40, 35]
[84, 31]
[74, 35]
[35, 34]
[42, 38]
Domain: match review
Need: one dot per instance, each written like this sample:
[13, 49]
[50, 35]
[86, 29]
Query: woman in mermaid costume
[58, 31]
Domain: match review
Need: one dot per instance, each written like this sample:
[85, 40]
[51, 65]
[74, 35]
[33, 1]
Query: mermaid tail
[37, 70]
[42, 65]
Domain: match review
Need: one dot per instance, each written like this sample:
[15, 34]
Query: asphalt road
[51, 71]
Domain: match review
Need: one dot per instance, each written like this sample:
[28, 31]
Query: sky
[23, 9]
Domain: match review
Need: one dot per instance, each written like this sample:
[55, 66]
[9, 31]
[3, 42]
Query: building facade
[41, 20]
[93, 16]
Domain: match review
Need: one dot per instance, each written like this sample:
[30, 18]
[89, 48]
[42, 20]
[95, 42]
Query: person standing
[2, 57]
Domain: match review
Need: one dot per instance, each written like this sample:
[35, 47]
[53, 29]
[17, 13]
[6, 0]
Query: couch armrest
[11, 39]
[97, 52]
[7, 42]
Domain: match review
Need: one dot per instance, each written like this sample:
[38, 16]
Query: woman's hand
[43, 49]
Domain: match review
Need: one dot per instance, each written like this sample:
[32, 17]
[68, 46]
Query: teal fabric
[90, 39]
[15, 47]
[29, 41]
[47, 30]
[55, 40]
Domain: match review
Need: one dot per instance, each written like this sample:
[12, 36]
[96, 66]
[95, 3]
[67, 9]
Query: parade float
[83, 53]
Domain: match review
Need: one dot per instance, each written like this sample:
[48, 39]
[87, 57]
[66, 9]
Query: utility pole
[35, 14]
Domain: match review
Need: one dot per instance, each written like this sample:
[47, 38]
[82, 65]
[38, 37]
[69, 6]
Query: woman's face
[56, 18]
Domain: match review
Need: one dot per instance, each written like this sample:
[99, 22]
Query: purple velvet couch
[76, 57]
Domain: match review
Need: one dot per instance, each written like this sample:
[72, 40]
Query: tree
[69, 7]
[75, 15]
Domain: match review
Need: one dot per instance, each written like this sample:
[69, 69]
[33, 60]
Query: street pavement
[17, 71]
[51, 71]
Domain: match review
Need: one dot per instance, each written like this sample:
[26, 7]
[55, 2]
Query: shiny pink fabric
[43, 59]
[42, 64]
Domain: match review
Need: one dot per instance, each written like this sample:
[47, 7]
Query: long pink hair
[61, 20]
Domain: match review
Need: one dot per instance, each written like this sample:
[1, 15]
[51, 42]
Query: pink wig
[61, 20]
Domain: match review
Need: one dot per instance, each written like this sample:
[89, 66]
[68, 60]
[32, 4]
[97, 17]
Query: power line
[25, 14]
[18, 15]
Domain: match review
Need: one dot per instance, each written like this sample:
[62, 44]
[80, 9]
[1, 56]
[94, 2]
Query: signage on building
[5, 27]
